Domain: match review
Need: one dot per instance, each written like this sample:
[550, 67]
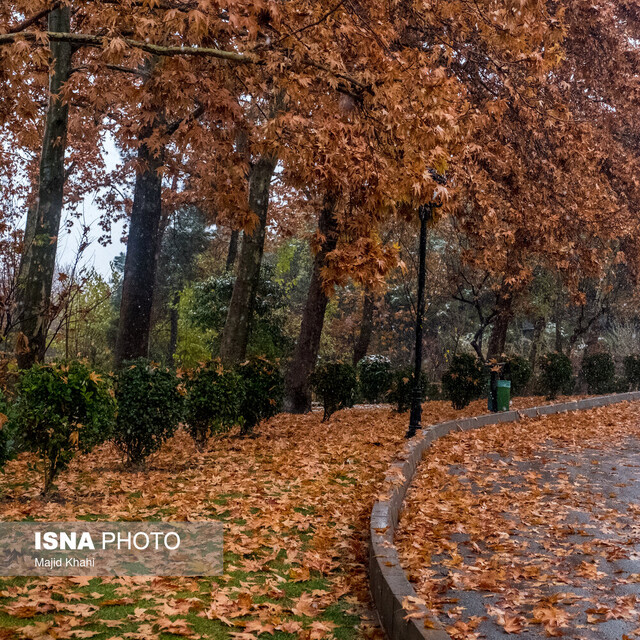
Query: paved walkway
[572, 554]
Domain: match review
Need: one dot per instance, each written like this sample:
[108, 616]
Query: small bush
[263, 386]
[620, 385]
[213, 403]
[7, 435]
[632, 371]
[598, 371]
[402, 388]
[464, 381]
[556, 374]
[335, 384]
[375, 378]
[149, 408]
[518, 370]
[62, 408]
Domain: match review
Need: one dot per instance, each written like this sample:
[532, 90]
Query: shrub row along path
[530, 528]
[295, 502]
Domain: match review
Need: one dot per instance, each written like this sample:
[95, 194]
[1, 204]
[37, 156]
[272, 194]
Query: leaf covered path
[295, 501]
[531, 528]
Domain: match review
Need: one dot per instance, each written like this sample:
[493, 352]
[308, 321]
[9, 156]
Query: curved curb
[401, 613]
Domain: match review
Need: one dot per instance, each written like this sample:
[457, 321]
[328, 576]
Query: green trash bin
[504, 394]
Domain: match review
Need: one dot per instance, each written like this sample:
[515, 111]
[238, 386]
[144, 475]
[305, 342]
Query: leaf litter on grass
[295, 502]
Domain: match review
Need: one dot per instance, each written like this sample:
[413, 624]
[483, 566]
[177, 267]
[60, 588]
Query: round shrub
[335, 384]
[631, 366]
[464, 380]
[556, 374]
[61, 408]
[263, 387]
[518, 370]
[375, 378]
[402, 388]
[598, 371]
[7, 432]
[149, 408]
[213, 402]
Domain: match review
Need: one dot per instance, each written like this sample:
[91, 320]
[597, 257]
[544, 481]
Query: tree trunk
[498, 338]
[43, 220]
[298, 394]
[232, 254]
[559, 345]
[233, 347]
[173, 327]
[366, 327]
[538, 328]
[140, 264]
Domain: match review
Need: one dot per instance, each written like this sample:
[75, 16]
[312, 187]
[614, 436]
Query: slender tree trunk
[232, 254]
[559, 345]
[173, 327]
[235, 337]
[140, 265]
[498, 338]
[43, 220]
[538, 328]
[366, 327]
[298, 394]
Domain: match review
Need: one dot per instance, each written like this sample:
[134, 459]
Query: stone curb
[401, 614]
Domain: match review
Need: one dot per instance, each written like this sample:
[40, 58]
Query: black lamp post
[425, 212]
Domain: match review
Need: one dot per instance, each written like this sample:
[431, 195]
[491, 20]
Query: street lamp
[426, 212]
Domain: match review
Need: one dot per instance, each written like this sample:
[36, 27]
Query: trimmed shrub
[598, 371]
[335, 384]
[149, 408]
[263, 387]
[62, 408]
[402, 388]
[518, 370]
[556, 374]
[7, 436]
[375, 377]
[213, 402]
[632, 371]
[464, 381]
[620, 385]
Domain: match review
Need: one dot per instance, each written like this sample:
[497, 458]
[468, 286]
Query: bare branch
[88, 40]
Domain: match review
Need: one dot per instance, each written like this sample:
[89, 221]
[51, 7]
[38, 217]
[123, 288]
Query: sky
[95, 255]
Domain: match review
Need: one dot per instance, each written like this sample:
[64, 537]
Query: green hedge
[556, 374]
[631, 366]
[335, 384]
[214, 398]
[519, 372]
[149, 408]
[599, 371]
[464, 381]
[62, 408]
[263, 389]
[375, 377]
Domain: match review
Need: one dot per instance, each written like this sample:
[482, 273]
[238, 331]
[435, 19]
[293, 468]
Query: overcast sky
[96, 255]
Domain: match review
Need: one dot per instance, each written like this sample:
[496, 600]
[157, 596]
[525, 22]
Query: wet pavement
[577, 560]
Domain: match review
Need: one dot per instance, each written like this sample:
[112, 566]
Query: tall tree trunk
[232, 254]
[298, 394]
[140, 265]
[43, 220]
[233, 347]
[538, 328]
[559, 345]
[366, 327]
[173, 327]
[498, 338]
